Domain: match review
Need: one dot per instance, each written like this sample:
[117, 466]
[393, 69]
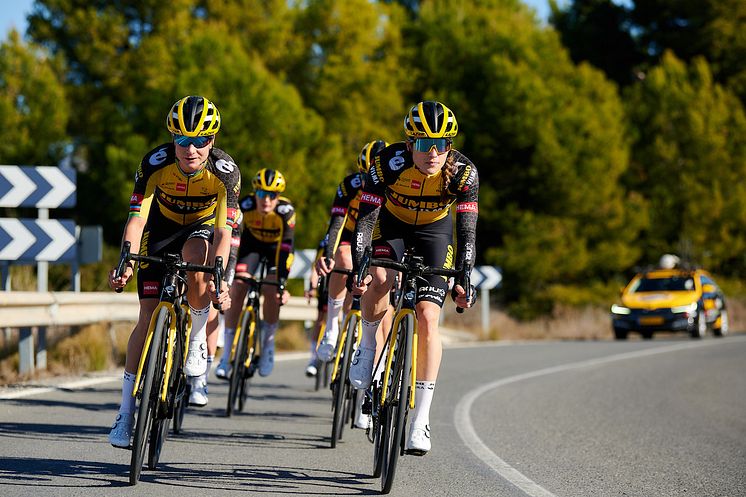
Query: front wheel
[700, 327]
[238, 365]
[722, 329]
[341, 387]
[152, 372]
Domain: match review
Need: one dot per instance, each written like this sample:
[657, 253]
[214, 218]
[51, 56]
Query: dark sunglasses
[197, 141]
[265, 194]
[441, 145]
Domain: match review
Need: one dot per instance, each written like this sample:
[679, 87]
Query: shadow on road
[54, 432]
[26, 472]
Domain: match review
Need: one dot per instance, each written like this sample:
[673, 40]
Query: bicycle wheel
[341, 391]
[149, 395]
[181, 407]
[399, 403]
[378, 421]
[250, 364]
[181, 387]
[237, 366]
[323, 365]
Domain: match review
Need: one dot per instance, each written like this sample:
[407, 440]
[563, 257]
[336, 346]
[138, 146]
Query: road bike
[246, 349]
[391, 396]
[323, 372]
[160, 382]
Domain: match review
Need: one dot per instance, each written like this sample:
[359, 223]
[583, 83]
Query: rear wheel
[378, 421]
[722, 329]
[341, 385]
[620, 334]
[700, 327]
[148, 397]
[399, 403]
[238, 368]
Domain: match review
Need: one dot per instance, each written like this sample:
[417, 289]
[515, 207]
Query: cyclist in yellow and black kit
[339, 235]
[185, 200]
[407, 202]
[268, 232]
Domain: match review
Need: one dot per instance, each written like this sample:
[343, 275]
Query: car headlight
[685, 308]
[619, 309]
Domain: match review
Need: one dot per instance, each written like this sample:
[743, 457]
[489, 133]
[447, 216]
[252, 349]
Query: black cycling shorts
[160, 237]
[251, 251]
[433, 242]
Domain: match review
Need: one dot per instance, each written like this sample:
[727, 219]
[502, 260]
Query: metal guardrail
[23, 310]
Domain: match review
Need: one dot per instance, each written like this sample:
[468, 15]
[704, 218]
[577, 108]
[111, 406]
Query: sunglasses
[197, 141]
[262, 194]
[441, 145]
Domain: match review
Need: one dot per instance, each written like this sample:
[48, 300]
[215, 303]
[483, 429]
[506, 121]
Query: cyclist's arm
[287, 239]
[340, 206]
[371, 200]
[467, 211]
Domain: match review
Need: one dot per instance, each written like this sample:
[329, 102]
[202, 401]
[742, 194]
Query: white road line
[13, 393]
[468, 434]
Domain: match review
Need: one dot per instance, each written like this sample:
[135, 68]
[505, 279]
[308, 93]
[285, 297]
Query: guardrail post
[26, 351]
[41, 348]
[485, 310]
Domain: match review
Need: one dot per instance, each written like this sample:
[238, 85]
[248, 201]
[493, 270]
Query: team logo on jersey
[225, 166]
[416, 184]
[369, 198]
[338, 211]
[158, 157]
[397, 161]
[180, 187]
[247, 204]
[356, 182]
[467, 207]
[284, 208]
[150, 288]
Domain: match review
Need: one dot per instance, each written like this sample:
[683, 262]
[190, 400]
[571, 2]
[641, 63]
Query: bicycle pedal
[367, 406]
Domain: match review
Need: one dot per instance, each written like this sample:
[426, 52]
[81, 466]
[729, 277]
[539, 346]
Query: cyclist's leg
[336, 299]
[198, 391]
[269, 323]
[195, 251]
[246, 265]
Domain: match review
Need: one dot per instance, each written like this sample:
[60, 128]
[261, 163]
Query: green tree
[689, 160]
[549, 140]
[33, 107]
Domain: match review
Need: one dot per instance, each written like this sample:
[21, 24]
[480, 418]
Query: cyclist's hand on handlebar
[118, 283]
[359, 288]
[284, 298]
[459, 296]
[324, 266]
[225, 297]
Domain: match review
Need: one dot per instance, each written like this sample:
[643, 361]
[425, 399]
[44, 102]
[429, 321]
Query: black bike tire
[378, 426]
[147, 404]
[181, 404]
[399, 408]
[343, 383]
[252, 359]
[181, 408]
[237, 368]
[159, 425]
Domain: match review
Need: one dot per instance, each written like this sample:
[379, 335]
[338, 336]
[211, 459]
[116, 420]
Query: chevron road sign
[42, 187]
[34, 240]
[486, 277]
[302, 263]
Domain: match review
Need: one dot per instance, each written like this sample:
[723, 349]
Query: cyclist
[407, 198]
[337, 251]
[268, 231]
[184, 200]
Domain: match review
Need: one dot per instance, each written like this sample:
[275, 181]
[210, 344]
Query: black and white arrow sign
[33, 240]
[42, 187]
[486, 277]
[303, 263]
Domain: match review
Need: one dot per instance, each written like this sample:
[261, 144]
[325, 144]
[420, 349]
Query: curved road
[638, 418]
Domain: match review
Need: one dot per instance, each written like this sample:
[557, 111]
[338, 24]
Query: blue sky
[13, 13]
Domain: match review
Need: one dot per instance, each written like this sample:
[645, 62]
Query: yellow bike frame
[343, 336]
[390, 356]
[250, 339]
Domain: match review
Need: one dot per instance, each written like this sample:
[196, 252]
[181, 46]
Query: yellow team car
[670, 300]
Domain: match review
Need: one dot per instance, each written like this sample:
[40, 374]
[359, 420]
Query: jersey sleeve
[142, 193]
[346, 192]
[225, 168]
[465, 186]
[285, 246]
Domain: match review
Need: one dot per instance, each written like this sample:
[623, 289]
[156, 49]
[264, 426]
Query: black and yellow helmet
[269, 180]
[368, 153]
[193, 116]
[430, 119]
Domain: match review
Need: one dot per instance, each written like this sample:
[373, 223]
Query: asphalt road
[639, 418]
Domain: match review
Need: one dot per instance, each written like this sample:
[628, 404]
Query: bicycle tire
[252, 357]
[399, 406]
[159, 425]
[237, 367]
[180, 409]
[341, 392]
[182, 389]
[378, 423]
[148, 404]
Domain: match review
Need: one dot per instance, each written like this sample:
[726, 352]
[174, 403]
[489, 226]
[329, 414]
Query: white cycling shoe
[196, 363]
[198, 395]
[325, 350]
[311, 369]
[418, 442]
[121, 431]
[361, 369]
[223, 371]
[267, 361]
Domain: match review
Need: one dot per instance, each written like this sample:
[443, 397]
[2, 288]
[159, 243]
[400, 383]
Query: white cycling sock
[269, 334]
[128, 401]
[423, 398]
[206, 374]
[368, 341]
[228, 343]
[332, 324]
[199, 324]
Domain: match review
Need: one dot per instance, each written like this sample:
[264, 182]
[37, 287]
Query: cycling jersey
[178, 206]
[344, 212]
[271, 235]
[396, 185]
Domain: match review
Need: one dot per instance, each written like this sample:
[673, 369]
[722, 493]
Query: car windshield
[672, 284]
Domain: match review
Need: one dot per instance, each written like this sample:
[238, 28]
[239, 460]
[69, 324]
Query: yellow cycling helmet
[368, 153]
[430, 119]
[269, 180]
[193, 116]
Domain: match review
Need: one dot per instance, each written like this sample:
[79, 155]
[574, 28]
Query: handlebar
[217, 270]
[249, 280]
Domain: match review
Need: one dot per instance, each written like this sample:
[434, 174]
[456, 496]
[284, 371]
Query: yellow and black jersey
[209, 196]
[396, 185]
[344, 210]
[278, 225]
